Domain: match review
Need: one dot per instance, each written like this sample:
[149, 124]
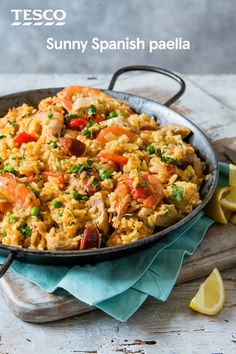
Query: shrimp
[51, 122]
[150, 193]
[14, 194]
[123, 198]
[156, 188]
[76, 97]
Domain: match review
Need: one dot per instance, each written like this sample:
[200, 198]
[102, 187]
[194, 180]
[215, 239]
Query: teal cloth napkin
[119, 287]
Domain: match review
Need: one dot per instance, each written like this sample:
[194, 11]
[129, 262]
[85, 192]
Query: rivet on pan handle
[152, 69]
[10, 258]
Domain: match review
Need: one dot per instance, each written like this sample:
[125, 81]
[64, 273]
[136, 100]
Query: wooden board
[30, 303]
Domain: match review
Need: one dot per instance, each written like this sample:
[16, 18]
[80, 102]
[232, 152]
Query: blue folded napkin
[119, 287]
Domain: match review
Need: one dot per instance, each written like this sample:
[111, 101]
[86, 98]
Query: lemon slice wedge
[210, 297]
[214, 209]
[229, 202]
[233, 219]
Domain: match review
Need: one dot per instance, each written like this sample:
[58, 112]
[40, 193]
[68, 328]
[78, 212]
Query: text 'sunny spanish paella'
[84, 171]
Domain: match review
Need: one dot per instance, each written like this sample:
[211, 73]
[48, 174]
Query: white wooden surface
[169, 327]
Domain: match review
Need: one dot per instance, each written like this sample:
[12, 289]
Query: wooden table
[169, 327]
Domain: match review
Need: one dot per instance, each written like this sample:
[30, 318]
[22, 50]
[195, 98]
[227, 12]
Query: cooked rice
[156, 184]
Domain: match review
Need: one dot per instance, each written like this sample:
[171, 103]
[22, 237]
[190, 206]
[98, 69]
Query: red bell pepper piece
[59, 175]
[114, 130]
[77, 123]
[117, 159]
[24, 137]
[97, 118]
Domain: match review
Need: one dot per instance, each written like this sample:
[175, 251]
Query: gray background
[210, 25]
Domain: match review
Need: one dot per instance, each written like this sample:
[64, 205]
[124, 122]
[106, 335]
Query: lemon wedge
[214, 208]
[210, 297]
[229, 202]
[233, 219]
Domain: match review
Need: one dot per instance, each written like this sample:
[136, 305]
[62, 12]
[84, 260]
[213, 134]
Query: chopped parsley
[2, 136]
[36, 193]
[59, 213]
[92, 110]
[86, 167]
[58, 168]
[56, 203]
[13, 123]
[25, 230]
[96, 183]
[53, 144]
[8, 169]
[168, 159]
[165, 159]
[69, 116]
[87, 133]
[51, 116]
[177, 193]
[13, 219]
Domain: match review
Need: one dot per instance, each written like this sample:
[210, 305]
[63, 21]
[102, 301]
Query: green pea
[35, 211]
[85, 197]
[56, 203]
[79, 197]
[112, 115]
[105, 175]
[13, 219]
[150, 149]
[74, 169]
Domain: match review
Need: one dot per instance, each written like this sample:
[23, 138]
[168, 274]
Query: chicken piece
[57, 241]
[164, 216]
[123, 199]
[176, 130]
[117, 121]
[98, 211]
[184, 195]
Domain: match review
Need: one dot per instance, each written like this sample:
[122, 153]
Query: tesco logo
[37, 17]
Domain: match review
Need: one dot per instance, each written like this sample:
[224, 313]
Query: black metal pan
[159, 112]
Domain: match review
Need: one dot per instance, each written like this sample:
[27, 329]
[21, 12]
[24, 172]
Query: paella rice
[83, 171]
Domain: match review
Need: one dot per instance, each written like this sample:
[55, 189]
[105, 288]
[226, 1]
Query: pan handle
[152, 69]
[10, 258]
